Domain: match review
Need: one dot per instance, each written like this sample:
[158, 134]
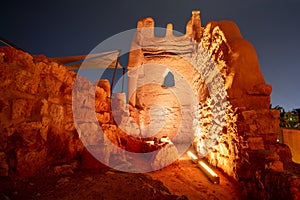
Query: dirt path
[86, 185]
[172, 182]
[185, 178]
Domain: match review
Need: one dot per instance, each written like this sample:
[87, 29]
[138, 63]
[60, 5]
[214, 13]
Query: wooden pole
[115, 71]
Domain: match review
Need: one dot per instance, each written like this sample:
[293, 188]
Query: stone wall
[151, 61]
[37, 126]
[36, 118]
[48, 121]
[38, 129]
[246, 147]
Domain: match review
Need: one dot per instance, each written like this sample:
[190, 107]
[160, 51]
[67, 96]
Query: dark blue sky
[61, 28]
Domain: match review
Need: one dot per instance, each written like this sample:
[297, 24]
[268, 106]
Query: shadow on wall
[291, 137]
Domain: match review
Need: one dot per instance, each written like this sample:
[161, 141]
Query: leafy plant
[290, 119]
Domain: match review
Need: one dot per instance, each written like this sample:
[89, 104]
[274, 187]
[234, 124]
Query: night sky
[62, 28]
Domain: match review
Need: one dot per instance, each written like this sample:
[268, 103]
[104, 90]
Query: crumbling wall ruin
[250, 128]
[37, 126]
[40, 128]
[36, 114]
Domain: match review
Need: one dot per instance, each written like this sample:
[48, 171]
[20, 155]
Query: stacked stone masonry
[37, 126]
[251, 130]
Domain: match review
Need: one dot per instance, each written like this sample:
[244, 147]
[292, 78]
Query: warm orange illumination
[150, 142]
[166, 140]
[192, 156]
[207, 168]
[209, 172]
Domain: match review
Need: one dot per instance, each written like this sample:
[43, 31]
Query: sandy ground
[185, 178]
[86, 185]
[177, 181]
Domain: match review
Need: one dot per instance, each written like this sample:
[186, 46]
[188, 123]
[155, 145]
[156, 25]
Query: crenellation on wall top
[146, 22]
[169, 31]
[193, 27]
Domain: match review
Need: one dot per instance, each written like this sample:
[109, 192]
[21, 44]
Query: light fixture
[209, 172]
[205, 168]
[192, 156]
[165, 139]
[150, 142]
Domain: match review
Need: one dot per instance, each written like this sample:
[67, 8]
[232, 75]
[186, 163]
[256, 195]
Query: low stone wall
[291, 137]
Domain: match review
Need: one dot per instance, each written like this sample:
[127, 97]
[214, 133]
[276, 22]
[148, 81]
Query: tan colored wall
[291, 137]
[150, 60]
